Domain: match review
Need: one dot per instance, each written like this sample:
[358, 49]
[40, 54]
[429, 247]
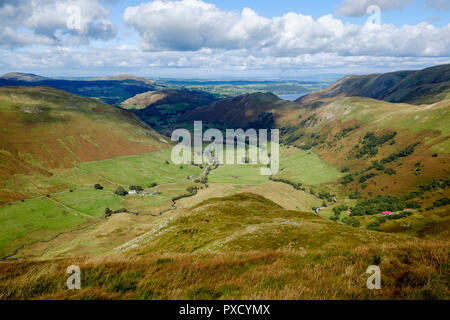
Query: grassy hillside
[244, 247]
[45, 129]
[362, 136]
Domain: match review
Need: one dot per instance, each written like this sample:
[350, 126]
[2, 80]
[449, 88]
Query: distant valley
[86, 173]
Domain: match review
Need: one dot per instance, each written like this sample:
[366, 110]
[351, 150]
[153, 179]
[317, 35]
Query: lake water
[292, 96]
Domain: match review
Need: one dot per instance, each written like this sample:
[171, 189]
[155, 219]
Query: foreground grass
[243, 246]
[412, 270]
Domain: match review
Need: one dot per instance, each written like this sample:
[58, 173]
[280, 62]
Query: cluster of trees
[346, 131]
[120, 192]
[136, 188]
[191, 191]
[98, 186]
[296, 185]
[366, 177]
[376, 224]
[371, 143]
[436, 184]
[441, 202]
[382, 203]
[390, 171]
[409, 150]
[355, 195]
[326, 195]
[109, 212]
[347, 179]
[351, 221]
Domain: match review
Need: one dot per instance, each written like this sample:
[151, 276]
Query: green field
[91, 202]
[30, 220]
[141, 170]
[238, 174]
[307, 167]
[20, 219]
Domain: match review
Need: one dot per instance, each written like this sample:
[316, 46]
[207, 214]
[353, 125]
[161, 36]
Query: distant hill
[416, 87]
[45, 128]
[249, 110]
[121, 77]
[17, 76]
[163, 110]
[112, 90]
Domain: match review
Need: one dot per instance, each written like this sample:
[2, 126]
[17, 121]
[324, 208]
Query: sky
[244, 39]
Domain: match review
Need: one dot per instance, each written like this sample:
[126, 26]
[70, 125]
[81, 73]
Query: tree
[98, 186]
[121, 191]
[136, 188]
[108, 212]
[152, 185]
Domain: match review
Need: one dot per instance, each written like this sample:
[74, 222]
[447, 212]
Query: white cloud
[194, 36]
[28, 22]
[358, 8]
[191, 25]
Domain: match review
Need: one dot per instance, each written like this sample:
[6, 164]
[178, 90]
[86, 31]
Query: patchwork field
[307, 167]
[32, 220]
[76, 203]
[141, 170]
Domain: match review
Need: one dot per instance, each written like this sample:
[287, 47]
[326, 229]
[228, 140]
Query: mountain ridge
[415, 87]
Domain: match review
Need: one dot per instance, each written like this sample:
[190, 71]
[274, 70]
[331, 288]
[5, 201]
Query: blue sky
[415, 12]
[217, 38]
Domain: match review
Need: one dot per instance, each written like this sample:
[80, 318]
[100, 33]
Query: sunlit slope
[246, 222]
[45, 129]
[354, 132]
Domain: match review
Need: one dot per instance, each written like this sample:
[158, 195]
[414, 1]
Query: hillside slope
[164, 109]
[415, 87]
[45, 129]
[243, 247]
[245, 111]
[380, 146]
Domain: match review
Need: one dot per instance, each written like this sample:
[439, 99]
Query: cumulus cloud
[50, 22]
[191, 25]
[439, 4]
[358, 8]
[194, 35]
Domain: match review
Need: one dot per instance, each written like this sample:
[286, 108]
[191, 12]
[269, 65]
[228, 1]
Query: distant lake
[292, 96]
